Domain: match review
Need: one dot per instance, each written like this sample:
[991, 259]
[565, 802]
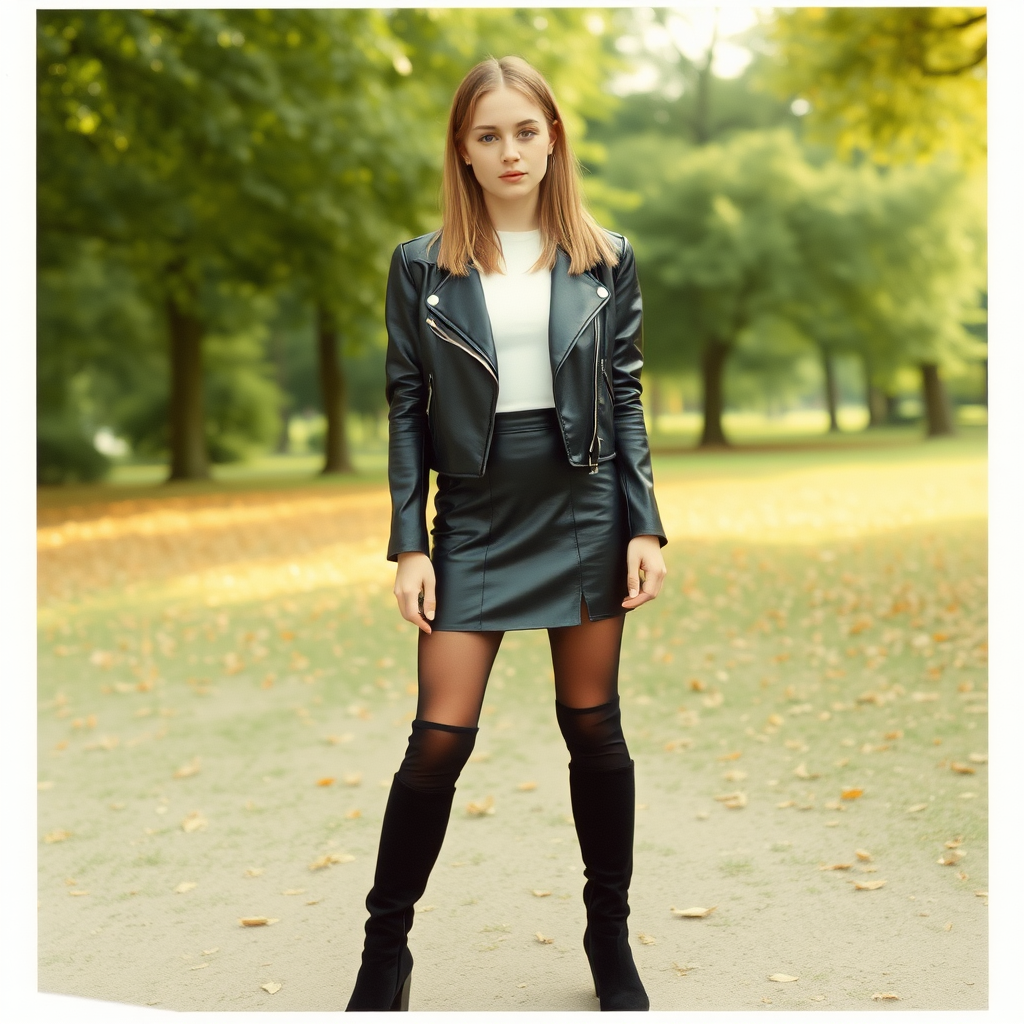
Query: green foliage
[898, 83]
[64, 455]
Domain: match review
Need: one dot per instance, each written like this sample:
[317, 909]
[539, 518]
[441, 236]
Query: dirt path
[204, 669]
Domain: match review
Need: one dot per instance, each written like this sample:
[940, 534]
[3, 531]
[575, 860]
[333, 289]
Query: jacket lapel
[575, 300]
[461, 303]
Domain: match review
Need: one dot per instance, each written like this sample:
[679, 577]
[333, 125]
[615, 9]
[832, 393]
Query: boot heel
[401, 1000]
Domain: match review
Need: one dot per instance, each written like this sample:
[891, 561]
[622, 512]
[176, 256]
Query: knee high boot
[410, 841]
[603, 808]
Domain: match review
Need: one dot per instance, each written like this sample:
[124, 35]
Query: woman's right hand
[414, 588]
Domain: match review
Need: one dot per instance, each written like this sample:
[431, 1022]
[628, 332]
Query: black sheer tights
[453, 669]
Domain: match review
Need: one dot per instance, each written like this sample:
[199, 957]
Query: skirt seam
[581, 596]
[490, 534]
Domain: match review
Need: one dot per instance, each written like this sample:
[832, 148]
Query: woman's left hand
[643, 556]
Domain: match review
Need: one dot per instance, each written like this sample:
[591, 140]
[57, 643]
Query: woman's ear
[554, 132]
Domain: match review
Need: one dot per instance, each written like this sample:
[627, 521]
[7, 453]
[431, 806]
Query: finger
[634, 602]
[653, 581]
[429, 599]
[633, 574]
[408, 604]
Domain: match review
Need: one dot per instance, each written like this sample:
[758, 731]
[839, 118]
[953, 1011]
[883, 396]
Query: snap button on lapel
[432, 300]
[601, 291]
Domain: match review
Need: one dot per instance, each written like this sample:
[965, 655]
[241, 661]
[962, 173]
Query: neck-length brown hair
[467, 235]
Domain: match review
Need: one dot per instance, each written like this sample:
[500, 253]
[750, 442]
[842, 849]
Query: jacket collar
[575, 300]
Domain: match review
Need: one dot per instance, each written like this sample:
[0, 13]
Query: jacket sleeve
[633, 455]
[408, 472]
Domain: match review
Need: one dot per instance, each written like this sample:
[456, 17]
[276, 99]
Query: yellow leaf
[327, 781]
[786, 803]
[191, 768]
[256, 922]
[692, 911]
[963, 769]
[801, 772]
[293, 892]
[951, 858]
[185, 886]
[834, 867]
[734, 756]
[645, 940]
[253, 872]
[57, 836]
[193, 821]
[916, 808]
[863, 855]
[331, 858]
[354, 813]
[78, 892]
[544, 939]
[527, 787]
[734, 776]
[852, 793]
[782, 977]
[948, 926]
[875, 884]
[541, 892]
[198, 967]
[884, 995]
[478, 808]
[976, 758]
[353, 778]
[271, 987]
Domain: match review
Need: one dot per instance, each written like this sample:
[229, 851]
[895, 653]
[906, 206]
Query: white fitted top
[518, 304]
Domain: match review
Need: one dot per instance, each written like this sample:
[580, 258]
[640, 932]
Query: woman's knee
[436, 755]
[593, 736]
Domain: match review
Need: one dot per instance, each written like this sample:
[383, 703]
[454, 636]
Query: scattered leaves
[331, 858]
[962, 769]
[185, 886]
[645, 940]
[874, 884]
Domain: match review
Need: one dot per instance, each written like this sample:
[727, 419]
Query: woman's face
[508, 144]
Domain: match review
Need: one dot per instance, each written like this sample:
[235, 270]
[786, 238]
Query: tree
[897, 83]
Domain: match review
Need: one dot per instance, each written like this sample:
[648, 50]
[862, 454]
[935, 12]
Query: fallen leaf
[923, 698]
[976, 758]
[256, 922]
[948, 926]
[801, 772]
[293, 892]
[952, 844]
[331, 858]
[692, 911]
[57, 836]
[187, 769]
[327, 781]
[916, 808]
[253, 872]
[953, 857]
[863, 855]
[271, 987]
[645, 940]
[526, 787]
[49, 785]
[834, 867]
[478, 808]
[198, 967]
[193, 821]
[735, 775]
[353, 778]
[734, 756]
[782, 977]
[78, 892]
[786, 803]
[875, 884]
[852, 793]
[963, 769]
[885, 995]
[544, 939]
[983, 893]
[210, 952]
[354, 813]
[541, 892]
[185, 886]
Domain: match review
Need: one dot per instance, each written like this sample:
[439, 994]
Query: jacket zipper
[461, 344]
[430, 391]
[597, 363]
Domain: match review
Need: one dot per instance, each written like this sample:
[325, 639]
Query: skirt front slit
[522, 545]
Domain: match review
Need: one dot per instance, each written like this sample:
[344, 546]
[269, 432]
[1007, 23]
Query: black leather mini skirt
[521, 546]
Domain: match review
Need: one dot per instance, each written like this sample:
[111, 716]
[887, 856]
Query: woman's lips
[513, 177]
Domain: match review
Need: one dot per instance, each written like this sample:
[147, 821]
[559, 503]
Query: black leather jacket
[442, 381]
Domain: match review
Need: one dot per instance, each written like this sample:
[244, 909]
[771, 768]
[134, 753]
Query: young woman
[513, 366]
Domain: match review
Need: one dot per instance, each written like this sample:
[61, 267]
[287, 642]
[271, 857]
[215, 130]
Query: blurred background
[219, 193]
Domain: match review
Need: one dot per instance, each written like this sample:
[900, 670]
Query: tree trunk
[712, 368]
[831, 392]
[189, 458]
[892, 407]
[937, 409]
[335, 395]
